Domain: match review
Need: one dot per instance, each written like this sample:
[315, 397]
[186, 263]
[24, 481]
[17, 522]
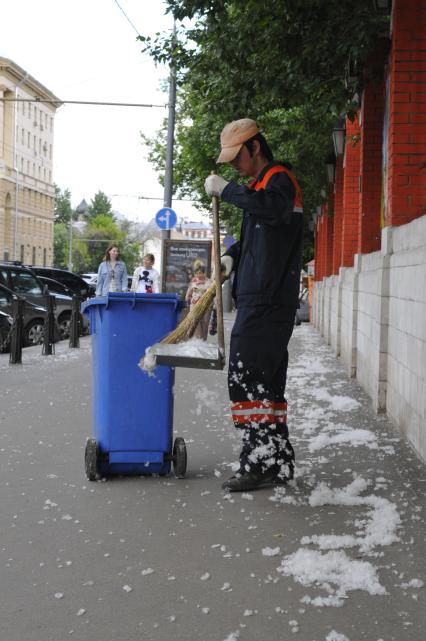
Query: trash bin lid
[132, 297]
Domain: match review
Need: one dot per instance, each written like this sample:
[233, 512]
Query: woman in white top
[145, 277]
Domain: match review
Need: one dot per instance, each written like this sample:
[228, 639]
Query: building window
[22, 165]
[5, 254]
[35, 143]
[45, 121]
[34, 169]
[28, 139]
[23, 136]
[51, 123]
[50, 176]
[39, 145]
[44, 257]
[33, 262]
[50, 152]
[35, 115]
[23, 108]
[22, 253]
[29, 110]
[28, 167]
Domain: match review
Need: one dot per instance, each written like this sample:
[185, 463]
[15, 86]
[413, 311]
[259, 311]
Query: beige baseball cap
[233, 136]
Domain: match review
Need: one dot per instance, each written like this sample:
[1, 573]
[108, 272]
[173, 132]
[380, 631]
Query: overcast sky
[87, 50]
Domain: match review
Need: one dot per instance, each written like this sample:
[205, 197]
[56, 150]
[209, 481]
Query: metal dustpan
[206, 355]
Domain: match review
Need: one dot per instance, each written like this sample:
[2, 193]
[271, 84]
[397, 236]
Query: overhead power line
[83, 102]
[127, 17]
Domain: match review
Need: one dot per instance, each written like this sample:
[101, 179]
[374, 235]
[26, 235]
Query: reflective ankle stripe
[259, 412]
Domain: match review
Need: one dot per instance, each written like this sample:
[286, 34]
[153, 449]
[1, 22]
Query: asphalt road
[154, 558]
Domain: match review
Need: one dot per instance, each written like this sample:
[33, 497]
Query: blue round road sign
[166, 218]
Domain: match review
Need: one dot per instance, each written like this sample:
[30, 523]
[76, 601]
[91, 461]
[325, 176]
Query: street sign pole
[168, 174]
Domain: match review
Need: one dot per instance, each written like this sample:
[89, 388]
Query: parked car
[23, 282]
[74, 282]
[91, 278]
[34, 316]
[63, 293]
[302, 314]
[6, 322]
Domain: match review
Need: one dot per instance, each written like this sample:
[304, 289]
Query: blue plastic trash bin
[132, 412]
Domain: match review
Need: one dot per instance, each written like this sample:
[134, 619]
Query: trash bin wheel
[179, 458]
[91, 459]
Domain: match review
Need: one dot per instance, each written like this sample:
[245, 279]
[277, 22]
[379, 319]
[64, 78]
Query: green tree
[100, 205]
[90, 246]
[63, 210]
[60, 244]
[294, 68]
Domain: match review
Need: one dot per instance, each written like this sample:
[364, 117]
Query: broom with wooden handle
[186, 329]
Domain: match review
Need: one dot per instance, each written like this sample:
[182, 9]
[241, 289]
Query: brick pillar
[322, 243]
[328, 233]
[406, 185]
[351, 193]
[373, 106]
[338, 216]
[317, 251]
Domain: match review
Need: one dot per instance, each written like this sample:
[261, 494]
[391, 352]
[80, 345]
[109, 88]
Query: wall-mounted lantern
[339, 135]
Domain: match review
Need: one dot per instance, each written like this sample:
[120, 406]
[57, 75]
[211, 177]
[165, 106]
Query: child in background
[145, 277]
[198, 286]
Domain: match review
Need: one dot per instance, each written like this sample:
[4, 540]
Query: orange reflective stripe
[279, 169]
[259, 412]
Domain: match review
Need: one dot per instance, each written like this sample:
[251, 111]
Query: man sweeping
[266, 263]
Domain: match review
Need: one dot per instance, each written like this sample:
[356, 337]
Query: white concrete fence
[374, 317]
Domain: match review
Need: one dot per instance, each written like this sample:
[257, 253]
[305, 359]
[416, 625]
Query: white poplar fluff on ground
[312, 568]
[336, 568]
[380, 530]
[193, 348]
[354, 437]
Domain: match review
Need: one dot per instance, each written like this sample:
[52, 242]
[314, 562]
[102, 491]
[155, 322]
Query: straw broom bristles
[185, 330]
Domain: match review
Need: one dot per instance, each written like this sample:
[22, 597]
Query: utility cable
[127, 17]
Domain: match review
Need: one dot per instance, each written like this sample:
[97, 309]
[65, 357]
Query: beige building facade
[26, 152]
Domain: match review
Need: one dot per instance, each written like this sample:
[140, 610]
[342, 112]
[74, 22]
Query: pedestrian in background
[266, 263]
[145, 277]
[197, 287]
[112, 273]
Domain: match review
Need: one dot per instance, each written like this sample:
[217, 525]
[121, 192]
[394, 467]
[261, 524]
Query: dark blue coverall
[267, 265]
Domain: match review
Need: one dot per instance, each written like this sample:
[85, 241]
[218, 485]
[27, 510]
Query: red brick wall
[338, 216]
[372, 114]
[407, 113]
[351, 193]
[328, 232]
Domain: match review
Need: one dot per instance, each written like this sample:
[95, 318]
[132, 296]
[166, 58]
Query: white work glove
[226, 263]
[214, 185]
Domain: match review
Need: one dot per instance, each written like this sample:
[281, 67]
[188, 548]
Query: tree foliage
[100, 205]
[293, 66]
[90, 242]
[62, 207]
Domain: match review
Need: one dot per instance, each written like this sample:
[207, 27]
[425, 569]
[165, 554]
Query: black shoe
[251, 481]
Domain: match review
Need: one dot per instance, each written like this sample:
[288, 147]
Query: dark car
[72, 281]
[303, 313]
[34, 316]
[6, 322]
[23, 282]
[62, 292]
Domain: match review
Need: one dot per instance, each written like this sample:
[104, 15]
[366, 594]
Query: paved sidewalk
[337, 555]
